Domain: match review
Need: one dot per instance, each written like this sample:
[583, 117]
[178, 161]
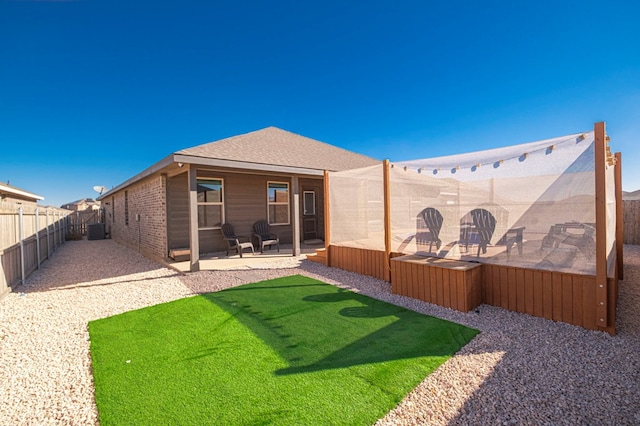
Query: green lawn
[287, 351]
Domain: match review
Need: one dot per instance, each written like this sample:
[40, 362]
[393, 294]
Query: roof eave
[20, 192]
[243, 165]
[211, 162]
[143, 174]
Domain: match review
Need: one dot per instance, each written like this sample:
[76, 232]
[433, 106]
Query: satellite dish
[100, 189]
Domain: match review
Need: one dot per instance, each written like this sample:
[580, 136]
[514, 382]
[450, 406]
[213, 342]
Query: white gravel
[519, 370]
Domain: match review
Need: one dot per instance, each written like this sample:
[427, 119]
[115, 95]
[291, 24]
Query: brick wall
[146, 198]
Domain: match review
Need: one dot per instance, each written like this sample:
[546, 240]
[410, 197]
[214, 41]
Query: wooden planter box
[450, 283]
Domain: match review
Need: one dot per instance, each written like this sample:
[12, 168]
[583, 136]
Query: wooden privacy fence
[79, 221]
[631, 221]
[28, 236]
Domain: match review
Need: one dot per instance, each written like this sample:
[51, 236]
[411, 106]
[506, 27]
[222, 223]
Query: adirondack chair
[235, 242]
[264, 237]
[484, 224]
[432, 219]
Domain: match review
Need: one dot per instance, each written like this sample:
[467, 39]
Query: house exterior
[82, 205]
[183, 200]
[10, 193]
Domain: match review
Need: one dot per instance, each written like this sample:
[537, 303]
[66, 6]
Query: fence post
[55, 235]
[38, 235]
[21, 236]
[48, 242]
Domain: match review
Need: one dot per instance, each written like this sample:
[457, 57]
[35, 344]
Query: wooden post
[619, 218]
[387, 220]
[327, 219]
[601, 224]
[295, 247]
[21, 236]
[38, 237]
[48, 242]
[194, 239]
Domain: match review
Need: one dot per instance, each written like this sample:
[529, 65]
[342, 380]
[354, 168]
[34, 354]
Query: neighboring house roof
[12, 191]
[270, 149]
[87, 201]
[279, 147]
[631, 196]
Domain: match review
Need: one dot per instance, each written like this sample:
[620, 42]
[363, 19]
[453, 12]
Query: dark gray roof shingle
[274, 146]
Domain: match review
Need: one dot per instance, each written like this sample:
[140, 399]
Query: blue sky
[94, 91]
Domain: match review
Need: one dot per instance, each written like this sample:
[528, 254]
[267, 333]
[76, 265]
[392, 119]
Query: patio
[220, 261]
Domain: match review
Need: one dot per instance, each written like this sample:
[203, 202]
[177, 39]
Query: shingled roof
[274, 146]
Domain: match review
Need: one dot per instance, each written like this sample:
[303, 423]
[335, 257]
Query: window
[210, 203]
[113, 209]
[309, 203]
[126, 208]
[278, 203]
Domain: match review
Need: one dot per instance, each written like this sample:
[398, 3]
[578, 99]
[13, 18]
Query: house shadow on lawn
[315, 326]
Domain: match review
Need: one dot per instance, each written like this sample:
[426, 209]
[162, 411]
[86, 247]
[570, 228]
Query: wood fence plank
[446, 288]
[578, 300]
[556, 279]
[520, 293]
[422, 290]
[504, 287]
[512, 285]
[488, 288]
[589, 304]
[439, 287]
[528, 292]
[567, 298]
[547, 295]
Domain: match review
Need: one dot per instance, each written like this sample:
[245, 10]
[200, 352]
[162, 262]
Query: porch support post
[601, 225]
[194, 241]
[387, 221]
[327, 219]
[295, 245]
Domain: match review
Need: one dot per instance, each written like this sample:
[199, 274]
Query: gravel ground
[519, 370]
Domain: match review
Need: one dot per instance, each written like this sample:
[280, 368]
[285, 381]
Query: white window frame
[212, 203]
[274, 203]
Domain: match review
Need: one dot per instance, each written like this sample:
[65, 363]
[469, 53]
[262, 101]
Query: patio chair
[264, 237]
[433, 221]
[484, 224]
[235, 242]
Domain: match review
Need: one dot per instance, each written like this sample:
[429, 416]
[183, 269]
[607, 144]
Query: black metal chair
[235, 242]
[264, 237]
[432, 219]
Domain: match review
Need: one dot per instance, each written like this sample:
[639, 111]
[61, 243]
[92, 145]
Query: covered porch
[220, 261]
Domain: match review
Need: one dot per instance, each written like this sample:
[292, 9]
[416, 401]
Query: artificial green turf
[292, 350]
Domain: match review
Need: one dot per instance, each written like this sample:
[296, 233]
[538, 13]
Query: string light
[496, 164]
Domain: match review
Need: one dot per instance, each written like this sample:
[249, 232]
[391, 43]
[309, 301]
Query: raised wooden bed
[450, 283]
